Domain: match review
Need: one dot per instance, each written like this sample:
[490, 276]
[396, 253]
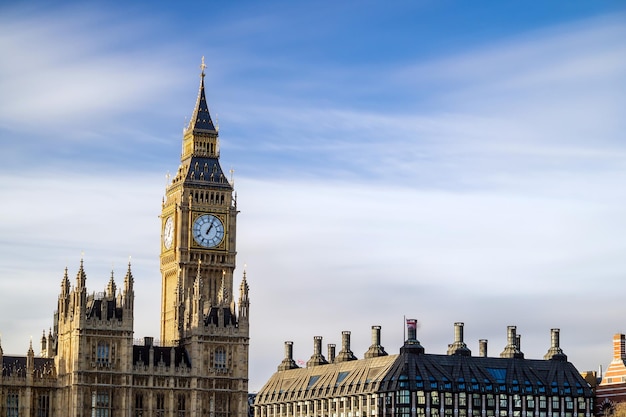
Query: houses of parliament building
[89, 364]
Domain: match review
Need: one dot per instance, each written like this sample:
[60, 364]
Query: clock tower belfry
[198, 239]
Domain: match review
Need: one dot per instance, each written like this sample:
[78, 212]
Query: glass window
[434, 399]
[102, 353]
[13, 404]
[160, 405]
[543, 402]
[181, 408]
[100, 404]
[403, 397]
[220, 358]
[421, 398]
[403, 412]
[139, 404]
[43, 405]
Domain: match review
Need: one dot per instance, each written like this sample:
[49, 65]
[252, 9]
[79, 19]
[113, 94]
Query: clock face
[208, 231]
[168, 233]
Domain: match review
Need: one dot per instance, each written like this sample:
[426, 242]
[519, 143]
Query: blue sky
[448, 161]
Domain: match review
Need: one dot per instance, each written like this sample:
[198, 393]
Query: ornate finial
[202, 66]
[232, 175]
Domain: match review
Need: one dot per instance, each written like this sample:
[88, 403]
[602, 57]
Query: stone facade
[416, 384]
[90, 364]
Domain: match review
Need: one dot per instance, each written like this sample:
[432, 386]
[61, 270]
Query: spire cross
[202, 66]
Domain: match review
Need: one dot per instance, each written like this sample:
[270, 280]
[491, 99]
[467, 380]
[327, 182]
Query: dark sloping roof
[323, 381]
[207, 171]
[201, 119]
[16, 366]
[212, 318]
[94, 309]
[162, 356]
[457, 373]
[416, 371]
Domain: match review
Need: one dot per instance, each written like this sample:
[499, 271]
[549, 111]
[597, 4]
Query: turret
[81, 277]
[80, 293]
[44, 343]
[222, 293]
[51, 344]
[64, 296]
[244, 301]
[30, 358]
[198, 301]
[111, 287]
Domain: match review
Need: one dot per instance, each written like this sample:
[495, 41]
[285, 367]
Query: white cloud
[494, 196]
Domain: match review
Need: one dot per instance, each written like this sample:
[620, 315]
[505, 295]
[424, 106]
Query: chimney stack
[345, 354]
[482, 348]
[555, 352]
[331, 353]
[376, 349]
[288, 362]
[317, 358]
[458, 347]
[511, 350]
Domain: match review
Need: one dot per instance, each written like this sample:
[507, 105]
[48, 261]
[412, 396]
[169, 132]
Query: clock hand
[209, 229]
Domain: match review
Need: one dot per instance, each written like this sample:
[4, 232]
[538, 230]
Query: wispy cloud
[78, 70]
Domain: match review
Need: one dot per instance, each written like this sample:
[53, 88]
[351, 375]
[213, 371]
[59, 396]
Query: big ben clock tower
[198, 222]
[198, 236]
